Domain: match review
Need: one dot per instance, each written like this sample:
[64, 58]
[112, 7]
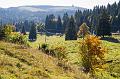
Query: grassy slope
[113, 54]
[74, 57]
[19, 62]
[72, 47]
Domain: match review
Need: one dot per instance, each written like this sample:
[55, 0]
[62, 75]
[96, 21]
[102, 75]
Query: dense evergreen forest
[90, 17]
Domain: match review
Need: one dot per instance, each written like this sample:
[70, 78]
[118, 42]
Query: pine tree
[78, 18]
[71, 32]
[59, 25]
[50, 23]
[2, 33]
[33, 32]
[118, 23]
[65, 21]
[46, 22]
[23, 31]
[26, 25]
[104, 27]
[115, 24]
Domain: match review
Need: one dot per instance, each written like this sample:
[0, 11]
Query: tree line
[100, 21]
[90, 17]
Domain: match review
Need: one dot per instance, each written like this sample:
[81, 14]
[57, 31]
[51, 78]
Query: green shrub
[17, 38]
[58, 52]
[5, 31]
[44, 46]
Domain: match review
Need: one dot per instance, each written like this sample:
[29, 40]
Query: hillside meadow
[20, 62]
[73, 51]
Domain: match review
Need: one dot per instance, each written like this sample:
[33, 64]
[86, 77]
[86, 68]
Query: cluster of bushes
[17, 38]
[58, 52]
[7, 33]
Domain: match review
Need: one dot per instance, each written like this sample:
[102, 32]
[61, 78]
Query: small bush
[44, 46]
[17, 38]
[58, 52]
[5, 31]
[92, 54]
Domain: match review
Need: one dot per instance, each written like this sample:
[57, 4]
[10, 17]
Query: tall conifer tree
[71, 32]
[104, 27]
[33, 32]
[59, 25]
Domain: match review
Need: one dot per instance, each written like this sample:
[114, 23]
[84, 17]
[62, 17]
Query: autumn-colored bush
[93, 54]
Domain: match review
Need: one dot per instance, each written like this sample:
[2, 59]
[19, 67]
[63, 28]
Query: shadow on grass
[31, 40]
[111, 39]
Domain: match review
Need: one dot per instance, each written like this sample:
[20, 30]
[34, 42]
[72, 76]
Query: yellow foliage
[93, 53]
[8, 29]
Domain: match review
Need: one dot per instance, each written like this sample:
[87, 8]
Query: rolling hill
[36, 13]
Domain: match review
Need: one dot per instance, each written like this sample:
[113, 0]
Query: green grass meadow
[20, 62]
[73, 53]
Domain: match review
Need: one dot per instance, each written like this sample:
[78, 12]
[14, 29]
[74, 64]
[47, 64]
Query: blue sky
[81, 3]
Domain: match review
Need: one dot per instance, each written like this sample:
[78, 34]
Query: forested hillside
[58, 18]
[36, 13]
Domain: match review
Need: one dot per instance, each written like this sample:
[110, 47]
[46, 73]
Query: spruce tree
[2, 33]
[71, 32]
[118, 23]
[46, 22]
[59, 27]
[33, 32]
[26, 25]
[50, 23]
[65, 21]
[23, 31]
[104, 27]
[78, 18]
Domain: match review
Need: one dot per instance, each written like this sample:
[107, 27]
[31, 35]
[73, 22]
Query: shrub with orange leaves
[93, 54]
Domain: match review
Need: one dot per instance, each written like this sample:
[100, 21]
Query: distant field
[73, 50]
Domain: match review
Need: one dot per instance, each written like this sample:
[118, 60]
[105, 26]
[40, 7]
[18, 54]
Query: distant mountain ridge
[37, 13]
[47, 8]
